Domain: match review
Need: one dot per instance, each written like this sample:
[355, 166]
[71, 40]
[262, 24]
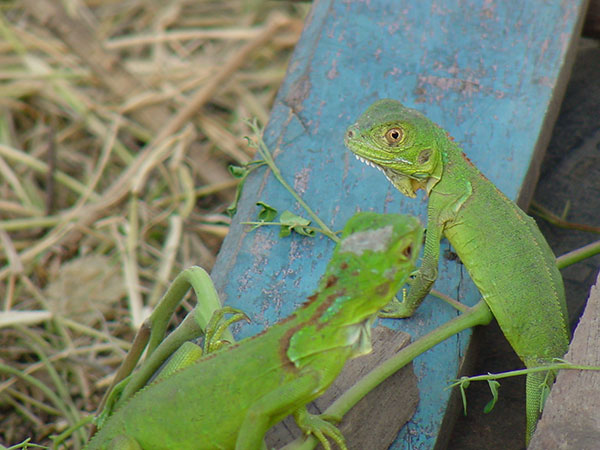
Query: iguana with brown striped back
[229, 398]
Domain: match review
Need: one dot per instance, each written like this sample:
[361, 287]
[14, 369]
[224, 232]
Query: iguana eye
[408, 251]
[394, 135]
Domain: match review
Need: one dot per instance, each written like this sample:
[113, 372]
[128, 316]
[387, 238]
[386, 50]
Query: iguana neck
[339, 314]
[457, 165]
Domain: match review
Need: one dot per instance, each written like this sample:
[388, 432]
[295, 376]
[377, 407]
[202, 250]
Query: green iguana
[231, 397]
[501, 247]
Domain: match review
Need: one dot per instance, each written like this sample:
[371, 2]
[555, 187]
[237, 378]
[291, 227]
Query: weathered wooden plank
[570, 419]
[486, 71]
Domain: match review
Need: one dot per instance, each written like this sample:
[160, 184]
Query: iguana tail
[536, 387]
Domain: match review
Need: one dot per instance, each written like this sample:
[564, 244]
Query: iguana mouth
[404, 183]
[369, 163]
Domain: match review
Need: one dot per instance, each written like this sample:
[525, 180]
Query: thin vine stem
[265, 154]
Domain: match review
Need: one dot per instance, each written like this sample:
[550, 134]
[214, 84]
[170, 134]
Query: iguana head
[376, 255]
[399, 141]
[374, 258]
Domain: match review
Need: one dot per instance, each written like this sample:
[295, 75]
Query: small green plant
[559, 364]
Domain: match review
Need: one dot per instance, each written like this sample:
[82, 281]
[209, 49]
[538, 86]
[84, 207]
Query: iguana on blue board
[501, 247]
[230, 398]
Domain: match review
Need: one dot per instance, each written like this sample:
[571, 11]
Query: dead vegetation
[118, 120]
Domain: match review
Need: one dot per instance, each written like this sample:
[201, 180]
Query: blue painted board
[487, 71]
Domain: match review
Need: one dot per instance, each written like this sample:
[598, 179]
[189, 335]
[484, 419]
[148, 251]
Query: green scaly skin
[230, 398]
[501, 247]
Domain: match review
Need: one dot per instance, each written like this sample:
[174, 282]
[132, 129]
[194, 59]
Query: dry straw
[117, 123]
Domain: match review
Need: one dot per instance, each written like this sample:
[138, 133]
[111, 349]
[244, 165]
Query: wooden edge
[570, 419]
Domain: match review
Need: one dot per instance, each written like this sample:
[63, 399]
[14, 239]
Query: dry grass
[117, 122]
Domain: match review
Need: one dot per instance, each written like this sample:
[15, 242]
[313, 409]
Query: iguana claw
[397, 309]
[217, 325]
[320, 428]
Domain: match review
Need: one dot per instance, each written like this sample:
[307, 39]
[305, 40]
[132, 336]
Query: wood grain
[570, 419]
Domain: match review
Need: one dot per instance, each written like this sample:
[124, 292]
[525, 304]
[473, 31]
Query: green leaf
[267, 212]
[238, 171]
[241, 172]
[284, 231]
[544, 395]
[232, 208]
[304, 231]
[463, 385]
[250, 142]
[293, 222]
[494, 386]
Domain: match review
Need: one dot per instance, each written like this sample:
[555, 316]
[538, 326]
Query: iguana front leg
[425, 277]
[320, 427]
[259, 417]
[441, 213]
